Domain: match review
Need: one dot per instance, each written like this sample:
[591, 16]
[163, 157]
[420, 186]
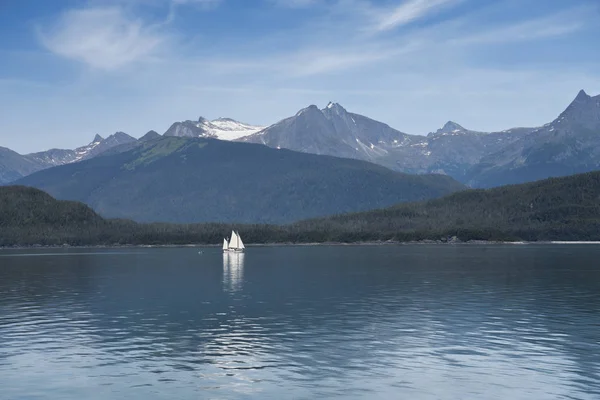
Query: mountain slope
[331, 131]
[30, 216]
[14, 166]
[568, 145]
[452, 150]
[96, 147]
[554, 209]
[197, 180]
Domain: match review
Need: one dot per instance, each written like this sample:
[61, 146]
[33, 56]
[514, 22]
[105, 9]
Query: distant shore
[375, 243]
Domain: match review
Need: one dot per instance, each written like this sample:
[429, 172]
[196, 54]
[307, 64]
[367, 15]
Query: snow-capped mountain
[332, 131]
[569, 144]
[221, 128]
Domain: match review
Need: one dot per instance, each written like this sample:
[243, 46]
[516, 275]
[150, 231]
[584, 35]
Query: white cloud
[409, 11]
[104, 38]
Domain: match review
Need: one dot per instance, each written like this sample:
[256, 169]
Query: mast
[240, 243]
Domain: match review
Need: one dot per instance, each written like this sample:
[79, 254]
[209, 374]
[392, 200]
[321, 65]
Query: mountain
[564, 208]
[97, 146]
[452, 150]
[221, 128]
[332, 131]
[568, 145]
[151, 135]
[197, 180]
[14, 166]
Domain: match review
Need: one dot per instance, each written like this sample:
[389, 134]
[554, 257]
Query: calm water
[380, 322]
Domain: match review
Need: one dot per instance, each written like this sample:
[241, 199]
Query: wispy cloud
[394, 63]
[104, 38]
[548, 26]
[409, 11]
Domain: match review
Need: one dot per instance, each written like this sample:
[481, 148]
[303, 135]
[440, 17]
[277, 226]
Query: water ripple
[374, 322]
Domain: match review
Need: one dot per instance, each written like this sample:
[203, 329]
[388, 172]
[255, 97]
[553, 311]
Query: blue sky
[71, 68]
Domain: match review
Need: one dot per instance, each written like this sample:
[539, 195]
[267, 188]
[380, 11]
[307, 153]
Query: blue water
[350, 322]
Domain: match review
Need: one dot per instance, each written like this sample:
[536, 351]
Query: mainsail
[240, 243]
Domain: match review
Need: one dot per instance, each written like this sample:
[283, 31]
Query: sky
[70, 69]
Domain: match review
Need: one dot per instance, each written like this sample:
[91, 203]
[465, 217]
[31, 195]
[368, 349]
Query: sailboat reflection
[233, 271]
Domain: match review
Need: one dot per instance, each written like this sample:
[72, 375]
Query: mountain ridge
[567, 145]
[176, 179]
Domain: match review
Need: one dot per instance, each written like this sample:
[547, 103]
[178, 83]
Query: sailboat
[235, 244]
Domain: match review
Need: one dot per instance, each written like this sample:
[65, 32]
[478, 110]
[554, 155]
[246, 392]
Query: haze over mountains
[570, 144]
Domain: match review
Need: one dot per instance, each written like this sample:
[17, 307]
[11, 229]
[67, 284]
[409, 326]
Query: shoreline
[290, 244]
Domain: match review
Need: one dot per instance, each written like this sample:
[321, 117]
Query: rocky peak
[334, 108]
[308, 110]
[97, 139]
[151, 135]
[449, 128]
[452, 126]
[582, 96]
[122, 136]
[584, 111]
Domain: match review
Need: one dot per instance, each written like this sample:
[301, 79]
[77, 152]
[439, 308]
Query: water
[371, 322]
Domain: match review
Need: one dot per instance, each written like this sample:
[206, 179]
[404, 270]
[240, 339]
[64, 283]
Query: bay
[352, 322]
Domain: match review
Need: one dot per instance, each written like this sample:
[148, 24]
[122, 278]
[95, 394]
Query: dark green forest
[553, 209]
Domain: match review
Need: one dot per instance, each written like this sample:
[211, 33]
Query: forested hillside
[558, 208]
[187, 180]
[554, 209]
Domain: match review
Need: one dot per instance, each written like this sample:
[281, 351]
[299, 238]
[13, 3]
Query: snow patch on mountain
[221, 128]
[229, 129]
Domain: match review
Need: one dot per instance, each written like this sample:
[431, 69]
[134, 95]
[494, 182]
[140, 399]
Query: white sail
[234, 242]
[225, 244]
[240, 243]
